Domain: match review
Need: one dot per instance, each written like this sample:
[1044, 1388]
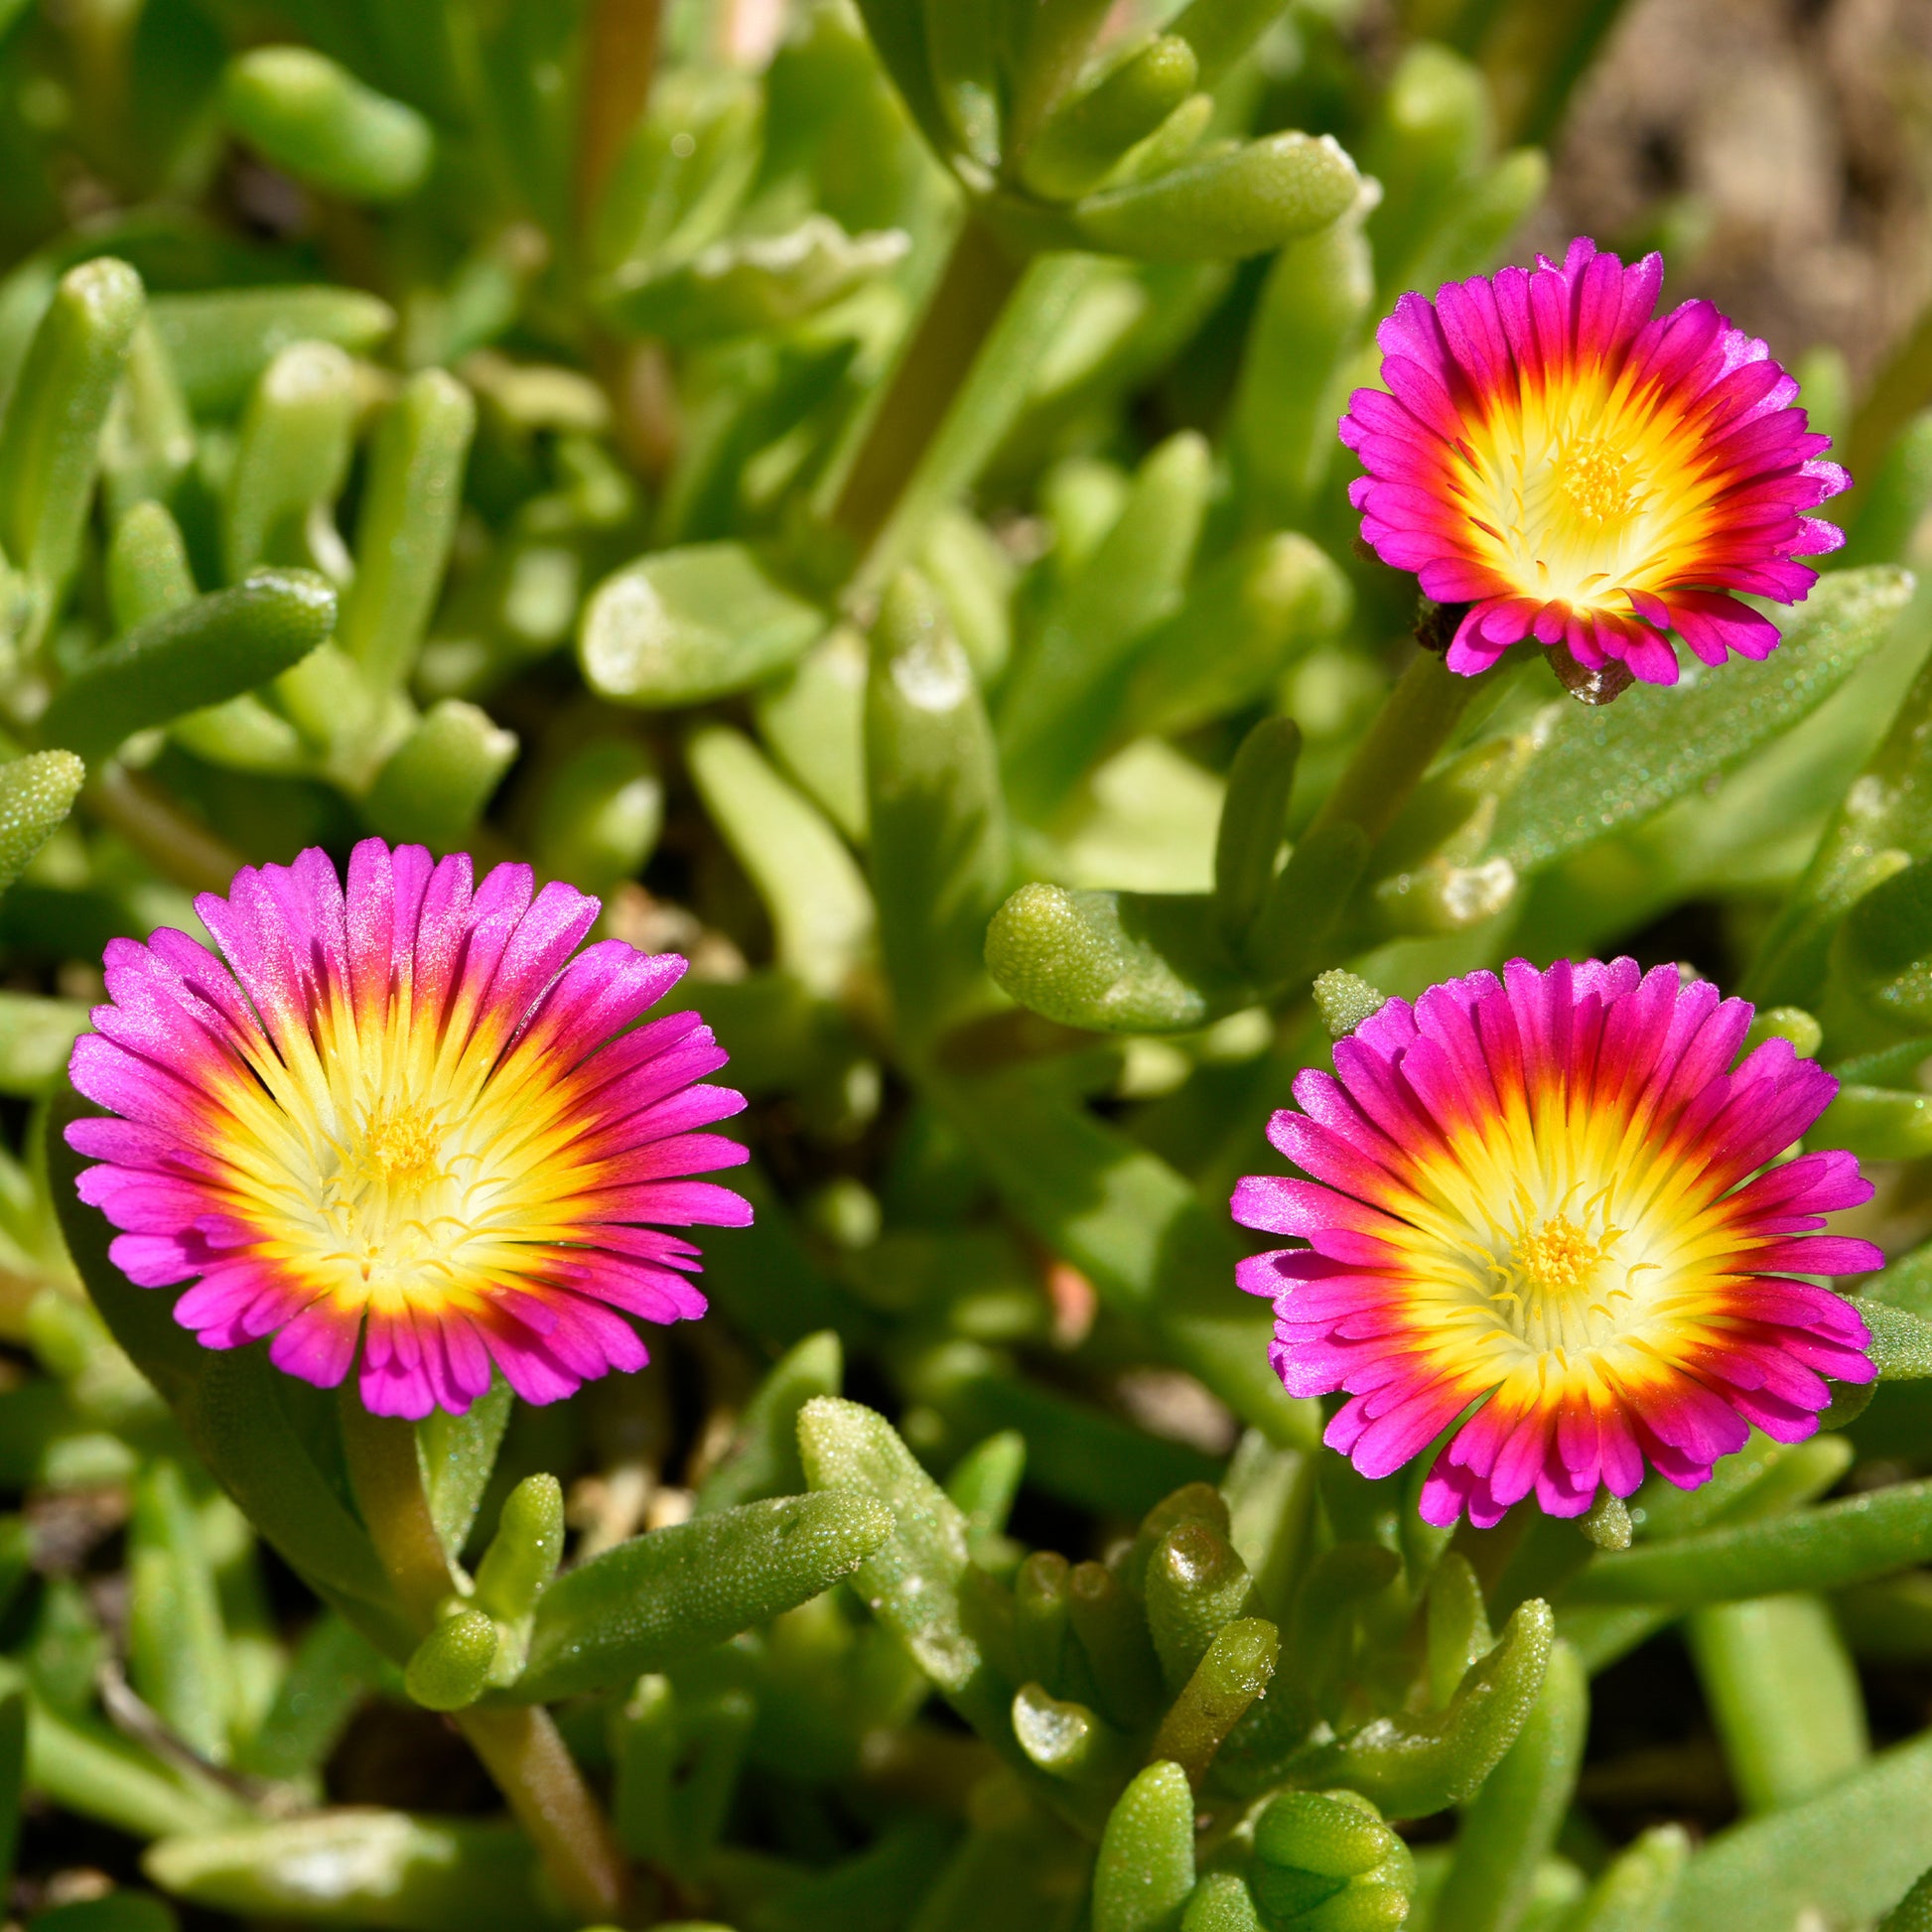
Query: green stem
[974, 288]
[1413, 725]
[178, 846]
[619, 63]
[387, 1477]
[524, 1753]
[1303, 923]
[520, 1746]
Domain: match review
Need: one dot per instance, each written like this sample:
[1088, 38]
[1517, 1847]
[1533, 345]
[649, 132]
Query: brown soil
[1779, 151]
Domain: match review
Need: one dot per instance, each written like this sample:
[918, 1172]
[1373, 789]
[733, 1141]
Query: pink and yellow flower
[1549, 1194]
[404, 1116]
[1581, 470]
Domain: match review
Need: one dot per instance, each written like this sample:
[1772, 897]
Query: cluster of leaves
[919, 422]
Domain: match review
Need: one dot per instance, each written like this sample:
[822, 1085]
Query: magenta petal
[535, 1143]
[1682, 470]
[1433, 1232]
[317, 1346]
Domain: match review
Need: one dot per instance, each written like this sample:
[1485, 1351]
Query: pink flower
[1549, 1196]
[1580, 470]
[405, 1116]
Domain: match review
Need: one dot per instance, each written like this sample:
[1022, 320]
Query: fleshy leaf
[1117, 962]
[364, 1868]
[1413, 1766]
[680, 627]
[212, 649]
[914, 1575]
[1850, 1851]
[674, 1592]
[1827, 1548]
[1603, 766]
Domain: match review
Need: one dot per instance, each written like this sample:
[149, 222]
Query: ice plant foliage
[1580, 470]
[405, 1115]
[1548, 1194]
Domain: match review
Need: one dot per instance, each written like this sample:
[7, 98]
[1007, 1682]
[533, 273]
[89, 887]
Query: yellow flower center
[387, 1162]
[1594, 480]
[1557, 1282]
[1558, 1255]
[1555, 1245]
[1579, 490]
[389, 1198]
[399, 1144]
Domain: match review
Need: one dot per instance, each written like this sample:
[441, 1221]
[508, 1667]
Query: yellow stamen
[399, 1144]
[1544, 1279]
[1594, 478]
[1577, 492]
[1558, 1255]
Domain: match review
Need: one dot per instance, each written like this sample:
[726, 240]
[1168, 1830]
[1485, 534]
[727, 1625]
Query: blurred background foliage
[857, 488]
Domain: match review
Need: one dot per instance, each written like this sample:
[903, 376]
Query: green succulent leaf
[674, 1592]
[750, 284]
[524, 1555]
[458, 1453]
[362, 1867]
[1913, 1912]
[1510, 1826]
[433, 785]
[1116, 962]
[1783, 1748]
[1902, 1341]
[817, 898]
[1633, 1893]
[1244, 200]
[1600, 767]
[912, 1576]
[1146, 1867]
[1826, 1548]
[205, 653]
[450, 1669]
[407, 524]
[1850, 1851]
[177, 1644]
[218, 345]
[937, 817]
[682, 625]
[35, 794]
[50, 438]
[1412, 1766]
[312, 116]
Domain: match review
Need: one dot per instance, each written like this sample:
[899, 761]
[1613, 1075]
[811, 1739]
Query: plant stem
[1413, 725]
[178, 846]
[386, 1474]
[619, 62]
[524, 1753]
[519, 1744]
[1533, 56]
[973, 290]
[1301, 926]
